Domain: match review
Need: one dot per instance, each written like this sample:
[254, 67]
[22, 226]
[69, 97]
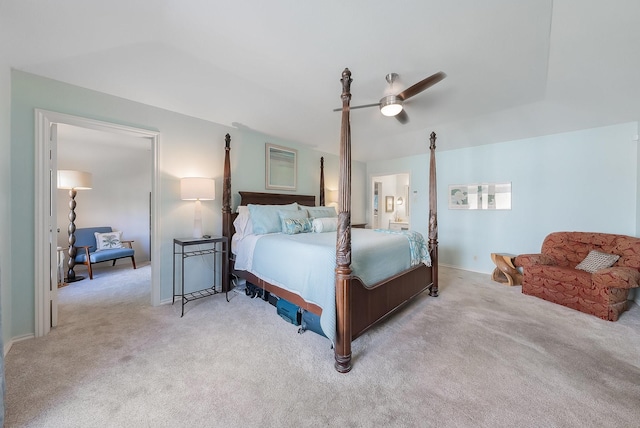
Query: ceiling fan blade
[356, 107]
[421, 85]
[402, 117]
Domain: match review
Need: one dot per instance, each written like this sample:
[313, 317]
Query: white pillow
[318, 212]
[325, 224]
[242, 223]
[108, 241]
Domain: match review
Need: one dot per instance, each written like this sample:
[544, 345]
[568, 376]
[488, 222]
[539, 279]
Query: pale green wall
[5, 222]
[248, 160]
[188, 147]
[585, 180]
[5, 192]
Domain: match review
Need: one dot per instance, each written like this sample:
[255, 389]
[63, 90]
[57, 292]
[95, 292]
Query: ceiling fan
[392, 105]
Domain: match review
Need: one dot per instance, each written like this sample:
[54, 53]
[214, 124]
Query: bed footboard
[370, 305]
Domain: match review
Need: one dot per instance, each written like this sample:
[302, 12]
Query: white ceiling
[515, 69]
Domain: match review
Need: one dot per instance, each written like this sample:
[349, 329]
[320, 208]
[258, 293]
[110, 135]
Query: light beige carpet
[480, 355]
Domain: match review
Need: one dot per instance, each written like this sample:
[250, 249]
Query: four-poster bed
[357, 306]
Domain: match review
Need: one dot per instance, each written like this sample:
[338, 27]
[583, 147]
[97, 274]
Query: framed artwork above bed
[281, 167]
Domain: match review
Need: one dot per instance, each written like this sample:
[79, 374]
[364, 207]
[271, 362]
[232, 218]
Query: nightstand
[185, 248]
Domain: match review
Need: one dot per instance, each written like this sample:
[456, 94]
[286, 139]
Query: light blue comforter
[305, 264]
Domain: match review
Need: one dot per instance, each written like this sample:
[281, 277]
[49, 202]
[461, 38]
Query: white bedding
[305, 263]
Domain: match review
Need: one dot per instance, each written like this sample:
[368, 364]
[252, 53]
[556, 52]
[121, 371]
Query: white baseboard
[166, 301]
[461, 268]
[7, 346]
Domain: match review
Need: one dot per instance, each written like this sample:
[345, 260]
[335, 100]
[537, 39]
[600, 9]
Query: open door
[53, 238]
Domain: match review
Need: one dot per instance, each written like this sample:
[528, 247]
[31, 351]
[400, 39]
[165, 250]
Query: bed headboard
[261, 198]
[258, 198]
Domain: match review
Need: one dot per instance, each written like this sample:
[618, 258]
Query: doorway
[120, 168]
[390, 208]
[47, 123]
[121, 173]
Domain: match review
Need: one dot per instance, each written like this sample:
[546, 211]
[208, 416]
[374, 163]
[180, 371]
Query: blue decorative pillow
[316, 212]
[291, 226]
[265, 218]
[288, 214]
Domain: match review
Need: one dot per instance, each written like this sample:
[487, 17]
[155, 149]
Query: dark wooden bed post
[433, 216]
[322, 181]
[343, 237]
[226, 201]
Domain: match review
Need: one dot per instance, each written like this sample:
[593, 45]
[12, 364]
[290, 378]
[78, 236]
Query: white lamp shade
[197, 188]
[69, 179]
[332, 196]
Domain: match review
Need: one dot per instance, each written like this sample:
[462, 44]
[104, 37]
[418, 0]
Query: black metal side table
[185, 248]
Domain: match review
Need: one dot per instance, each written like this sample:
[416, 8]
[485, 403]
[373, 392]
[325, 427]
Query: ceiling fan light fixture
[391, 105]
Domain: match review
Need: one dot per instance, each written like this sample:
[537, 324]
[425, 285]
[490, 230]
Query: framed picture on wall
[459, 197]
[482, 196]
[281, 169]
[388, 204]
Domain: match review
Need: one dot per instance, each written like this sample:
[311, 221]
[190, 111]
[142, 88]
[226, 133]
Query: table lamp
[197, 189]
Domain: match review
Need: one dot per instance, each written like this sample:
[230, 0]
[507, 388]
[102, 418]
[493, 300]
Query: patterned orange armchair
[590, 272]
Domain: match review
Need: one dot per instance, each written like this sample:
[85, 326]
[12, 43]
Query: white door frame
[43, 121]
[53, 244]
